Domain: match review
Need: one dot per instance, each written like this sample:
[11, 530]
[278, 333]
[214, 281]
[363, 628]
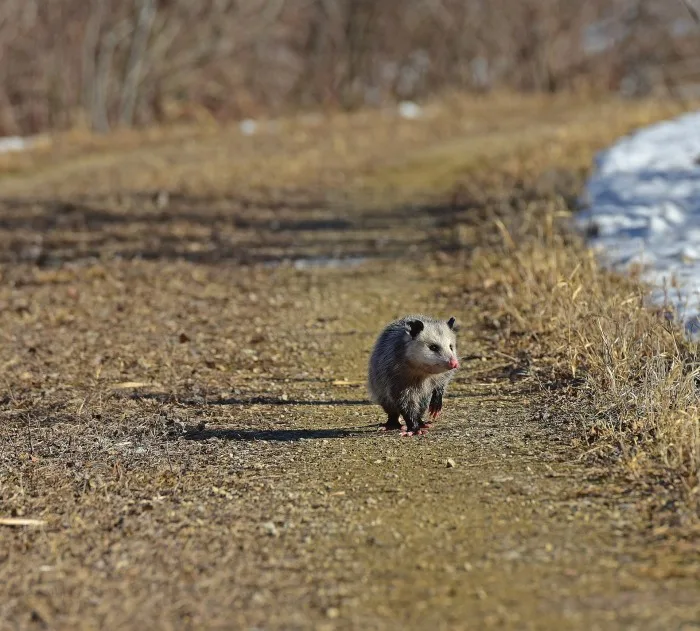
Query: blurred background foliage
[107, 63]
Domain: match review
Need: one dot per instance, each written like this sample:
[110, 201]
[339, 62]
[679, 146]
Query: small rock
[162, 199]
[450, 463]
[332, 612]
[270, 529]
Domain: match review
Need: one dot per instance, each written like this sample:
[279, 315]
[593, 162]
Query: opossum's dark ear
[453, 325]
[414, 327]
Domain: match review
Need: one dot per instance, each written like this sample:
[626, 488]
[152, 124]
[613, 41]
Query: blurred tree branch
[132, 62]
[692, 9]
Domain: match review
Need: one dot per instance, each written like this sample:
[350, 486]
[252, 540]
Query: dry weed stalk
[639, 368]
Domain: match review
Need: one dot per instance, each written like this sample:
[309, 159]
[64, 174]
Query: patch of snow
[248, 127]
[643, 207]
[410, 110]
[10, 144]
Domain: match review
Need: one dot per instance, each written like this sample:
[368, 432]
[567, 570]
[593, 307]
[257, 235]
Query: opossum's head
[432, 347]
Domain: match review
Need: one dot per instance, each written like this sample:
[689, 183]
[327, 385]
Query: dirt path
[189, 418]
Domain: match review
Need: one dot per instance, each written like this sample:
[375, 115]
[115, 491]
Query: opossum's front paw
[425, 425]
[434, 411]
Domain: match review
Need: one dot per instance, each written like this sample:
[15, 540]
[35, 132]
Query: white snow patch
[11, 144]
[248, 126]
[410, 110]
[643, 207]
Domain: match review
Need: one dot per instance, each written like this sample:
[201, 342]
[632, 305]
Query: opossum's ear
[453, 325]
[414, 327]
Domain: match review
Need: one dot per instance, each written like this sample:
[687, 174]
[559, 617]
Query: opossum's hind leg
[414, 424]
[435, 406]
[392, 422]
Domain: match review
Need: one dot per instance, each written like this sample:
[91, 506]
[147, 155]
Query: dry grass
[375, 151]
[594, 329]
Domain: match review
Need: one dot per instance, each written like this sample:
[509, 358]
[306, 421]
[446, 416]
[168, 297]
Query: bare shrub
[108, 62]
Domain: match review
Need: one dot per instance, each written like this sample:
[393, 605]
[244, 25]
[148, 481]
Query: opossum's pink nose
[453, 362]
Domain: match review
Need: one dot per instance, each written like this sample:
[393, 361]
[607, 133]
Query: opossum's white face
[433, 347]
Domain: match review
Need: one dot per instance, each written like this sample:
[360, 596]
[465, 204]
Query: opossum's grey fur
[410, 368]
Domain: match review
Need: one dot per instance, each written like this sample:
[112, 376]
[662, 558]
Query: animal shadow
[279, 435]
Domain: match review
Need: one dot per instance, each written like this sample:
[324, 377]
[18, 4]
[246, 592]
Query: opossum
[412, 363]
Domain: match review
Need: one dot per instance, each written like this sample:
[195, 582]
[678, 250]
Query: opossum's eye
[451, 347]
[435, 348]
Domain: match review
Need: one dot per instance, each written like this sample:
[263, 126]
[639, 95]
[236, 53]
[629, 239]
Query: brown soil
[184, 403]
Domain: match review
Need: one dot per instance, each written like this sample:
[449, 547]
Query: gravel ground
[183, 407]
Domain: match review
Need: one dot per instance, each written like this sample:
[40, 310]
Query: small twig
[485, 370]
[481, 464]
[506, 355]
[29, 437]
[167, 455]
[21, 521]
[591, 451]
[692, 9]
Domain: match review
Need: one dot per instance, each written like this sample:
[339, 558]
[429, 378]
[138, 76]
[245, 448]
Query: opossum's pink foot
[419, 432]
[434, 412]
[426, 425]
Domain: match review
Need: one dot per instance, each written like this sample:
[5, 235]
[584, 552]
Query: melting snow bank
[643, 208]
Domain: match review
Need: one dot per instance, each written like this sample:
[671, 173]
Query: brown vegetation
[578, 324]
[108, 63]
